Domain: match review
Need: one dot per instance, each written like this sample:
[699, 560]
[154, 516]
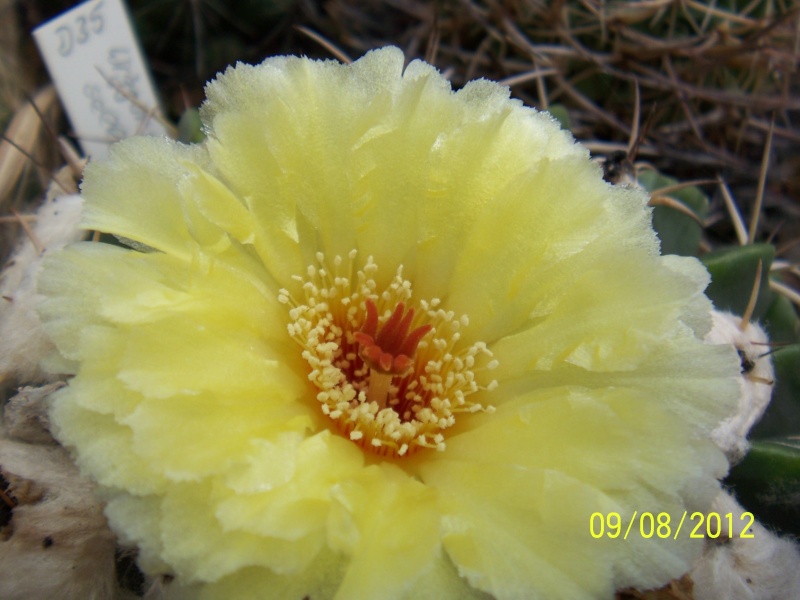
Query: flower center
[392, 378]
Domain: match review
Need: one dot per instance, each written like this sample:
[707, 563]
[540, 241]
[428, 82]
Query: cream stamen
[389, 386]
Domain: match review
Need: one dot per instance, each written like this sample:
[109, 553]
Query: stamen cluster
[392, 380]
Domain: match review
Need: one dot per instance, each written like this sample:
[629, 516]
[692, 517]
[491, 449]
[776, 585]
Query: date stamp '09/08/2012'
[661, 525]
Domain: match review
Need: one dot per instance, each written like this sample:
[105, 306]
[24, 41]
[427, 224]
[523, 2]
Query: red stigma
[390, 350]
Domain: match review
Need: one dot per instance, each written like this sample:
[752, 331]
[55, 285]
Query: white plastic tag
[96, 63]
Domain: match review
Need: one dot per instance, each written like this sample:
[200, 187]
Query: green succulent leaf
[781, 321]
[733, 271]
[190, 127]
[767, 483]
[783, 414]
[559, 111]
[679, 232]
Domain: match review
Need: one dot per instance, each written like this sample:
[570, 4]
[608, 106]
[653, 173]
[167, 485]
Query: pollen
[390, 373]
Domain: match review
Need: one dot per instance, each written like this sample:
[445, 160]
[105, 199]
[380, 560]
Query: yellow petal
[211, 437]
[694, 380]
[107, 454]
[137, 519]
[521, 488]
[442, 580]
[388, 525]
[283, 489]
[317, 581]
[198, 548]
[379, 169]
[133, 194]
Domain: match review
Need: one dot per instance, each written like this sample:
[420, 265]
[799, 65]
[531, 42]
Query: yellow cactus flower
[374, 338]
